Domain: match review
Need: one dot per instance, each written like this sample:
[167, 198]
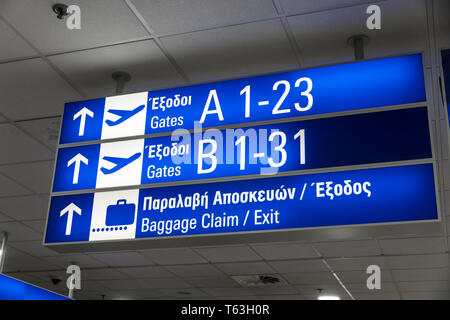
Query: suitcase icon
[121, 213]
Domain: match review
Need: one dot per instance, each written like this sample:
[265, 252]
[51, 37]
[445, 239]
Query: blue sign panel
[76, 212]
[366, 196]
[351, 86]
[376, 137]
[13, 289]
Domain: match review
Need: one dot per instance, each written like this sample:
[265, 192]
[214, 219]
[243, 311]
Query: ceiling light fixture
[326, 296]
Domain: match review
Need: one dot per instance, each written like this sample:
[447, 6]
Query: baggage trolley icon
[121, 213]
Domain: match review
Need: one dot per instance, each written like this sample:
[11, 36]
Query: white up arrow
[83, 113]
[77, 160]
[70, 209]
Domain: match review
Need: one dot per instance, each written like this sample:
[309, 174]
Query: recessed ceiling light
[324, 297]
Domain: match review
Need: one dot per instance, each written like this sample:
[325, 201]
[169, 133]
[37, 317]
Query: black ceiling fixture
[60, 10]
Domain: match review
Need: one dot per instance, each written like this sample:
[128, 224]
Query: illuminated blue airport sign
[330, 146]
[345, 87]
[446, 74]
[13, 289]
[366, 196]
[376, 137]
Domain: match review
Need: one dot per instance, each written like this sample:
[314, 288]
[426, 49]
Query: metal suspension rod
[358, 42]
[120, 77]
[3, 250]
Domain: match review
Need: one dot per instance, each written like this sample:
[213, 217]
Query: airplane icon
[123, 115]
[119, 163]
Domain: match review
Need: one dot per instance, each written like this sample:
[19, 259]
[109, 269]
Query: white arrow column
[77, 161]
[70, 209]
[83, 113]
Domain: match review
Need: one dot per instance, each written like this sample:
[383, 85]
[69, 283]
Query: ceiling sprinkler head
[60, 10]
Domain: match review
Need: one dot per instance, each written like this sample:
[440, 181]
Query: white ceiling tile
[377, 296]
[406, 286]
[42, 92]
[418, 261]
[125, 294]
[351, 264]
[188, 293]
[295, 6]
[24, 208]
[273, 289]
[243, 268]
[189, 15]
[36, 176]
[361, 276]
[146, 272]
[361, 287]
[16, 260]
[240, 297]
[102, 22]
[195, 270]
[426, 295]
[82, 260]
[413, 245]
[322, 36]
[91, 69]
[283, 297]
[249, 49]
[37, 225]
[326, 289]
[16, 48]
[295, 266]
[19, 232]
[46, 275]
[310, 278]
[46, 130]
[122, 284]
[4, 218]
[421, 274]
[90, 285]
[10, 188]
[24, 276]
[285, 251]
[88, 295]
[159, 283]
[229, 292]
[228, 254]
[102, 274]
[33, 248]
[20, 146]
[173, 256]
[212, 281]
[348, 248]
[121, 259]
[442, 23]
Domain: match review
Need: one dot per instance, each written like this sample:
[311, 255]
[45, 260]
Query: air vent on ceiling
[258, 280]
